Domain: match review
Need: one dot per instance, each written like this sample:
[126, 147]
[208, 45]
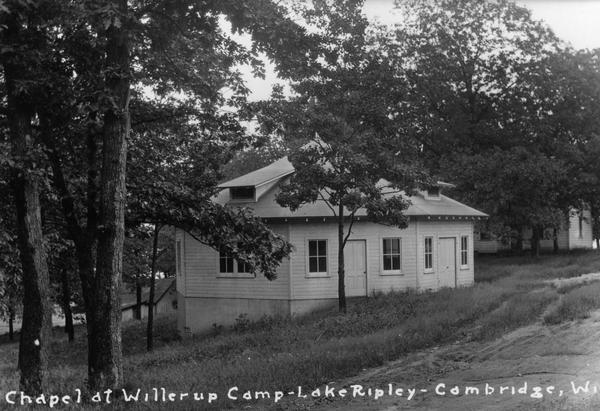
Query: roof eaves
[279, 177]
[474, 210]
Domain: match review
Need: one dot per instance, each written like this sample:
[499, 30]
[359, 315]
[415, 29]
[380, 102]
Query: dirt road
[535, 367]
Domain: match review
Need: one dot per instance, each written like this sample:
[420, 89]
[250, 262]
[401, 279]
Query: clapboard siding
[437, 230]
[568, 237]
[306, 287]
[487, 246]
[585, 238]
[562, 237]
[202, 279]
[180, 282]
[412, 261]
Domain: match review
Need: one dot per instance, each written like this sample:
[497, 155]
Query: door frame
[455, 260]
[364, 241]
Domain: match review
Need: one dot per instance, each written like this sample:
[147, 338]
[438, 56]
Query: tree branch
[66, 199]
[349, 228]
[327, 202]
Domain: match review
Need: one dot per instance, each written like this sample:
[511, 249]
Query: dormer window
[433, 192]
[243, 193]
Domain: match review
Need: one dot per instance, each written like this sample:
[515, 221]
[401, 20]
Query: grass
[575, 303]
[325, 346]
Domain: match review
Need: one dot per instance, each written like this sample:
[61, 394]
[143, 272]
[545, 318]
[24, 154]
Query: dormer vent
[246, 193]
[433, 192]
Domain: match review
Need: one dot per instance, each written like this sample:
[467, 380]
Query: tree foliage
[100, 68]
[356, 154]
[501, 107]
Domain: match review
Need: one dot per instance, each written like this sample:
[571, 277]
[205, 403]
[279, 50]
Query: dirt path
[538, 356]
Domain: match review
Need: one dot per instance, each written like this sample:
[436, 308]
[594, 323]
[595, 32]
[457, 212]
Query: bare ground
[537, 355]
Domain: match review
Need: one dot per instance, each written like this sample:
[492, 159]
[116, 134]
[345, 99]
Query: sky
[574, 21]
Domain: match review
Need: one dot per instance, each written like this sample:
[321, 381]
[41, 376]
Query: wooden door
[355, 268]
[447, 262]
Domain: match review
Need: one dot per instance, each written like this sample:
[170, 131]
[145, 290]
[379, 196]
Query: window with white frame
[225, 262]
[229, 266]
[392, 255]
[464, 251]
[178, 257]
[243, 267]
[428, 254]
[317, 257]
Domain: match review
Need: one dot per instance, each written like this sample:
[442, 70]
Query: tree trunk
[341, 284]
[597, 243]
[36, 324]
[11, 324]
[66, 303]
[555, 240]
[519, 242]
[105, 356]
[137, 312]
[150, 329]
[35, 328]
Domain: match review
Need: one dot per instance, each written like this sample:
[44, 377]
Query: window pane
[226, 265]
[312, 265]
[387, 249]
[322, 264]
[322, 247]
[243, 267]
[428, 261]
[395, 245]
[463, 259]
[396, 262]
[387, 262]
[312, 248]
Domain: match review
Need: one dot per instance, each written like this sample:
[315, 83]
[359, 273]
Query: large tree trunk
[35, 328]
[137, 312]
[11, 324]
[341, 283]
[150, 330]
[105, 356]
[66, 303]
[36, 325]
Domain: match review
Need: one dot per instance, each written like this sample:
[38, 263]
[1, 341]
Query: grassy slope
[325, 346]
